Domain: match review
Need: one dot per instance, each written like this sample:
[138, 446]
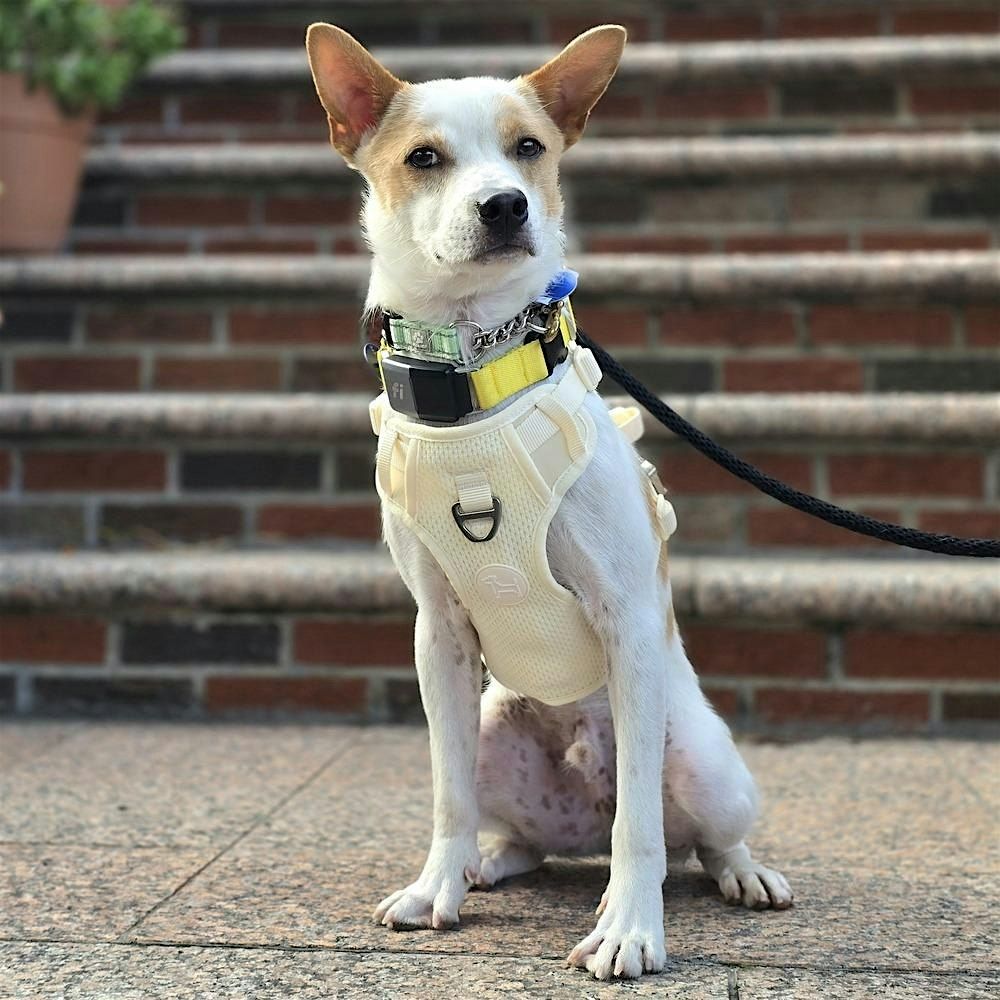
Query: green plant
[81, 51]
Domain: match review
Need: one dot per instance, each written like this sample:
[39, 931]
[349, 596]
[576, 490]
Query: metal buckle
[552, 321]
[477, 515]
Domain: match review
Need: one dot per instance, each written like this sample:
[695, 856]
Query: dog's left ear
[353, 86]
[572, 83]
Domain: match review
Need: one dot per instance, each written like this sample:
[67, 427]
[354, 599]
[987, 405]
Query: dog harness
[481, 497]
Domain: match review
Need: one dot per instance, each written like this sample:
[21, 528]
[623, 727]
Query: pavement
[177, 861]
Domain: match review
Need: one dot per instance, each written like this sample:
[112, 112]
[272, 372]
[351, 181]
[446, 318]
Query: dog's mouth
[506, 250]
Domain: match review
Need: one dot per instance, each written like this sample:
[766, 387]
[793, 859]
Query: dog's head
[463, 214]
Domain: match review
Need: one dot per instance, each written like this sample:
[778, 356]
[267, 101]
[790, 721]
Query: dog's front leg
[449, 670]
[628, 939]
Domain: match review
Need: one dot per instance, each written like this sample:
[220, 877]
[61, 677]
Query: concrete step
[773, 86]
[846, 322]
[731, 157]
[162, 470]
[695, 195]
[813, 641]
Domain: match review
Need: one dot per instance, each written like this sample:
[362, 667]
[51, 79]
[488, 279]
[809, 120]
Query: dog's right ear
[353, 86]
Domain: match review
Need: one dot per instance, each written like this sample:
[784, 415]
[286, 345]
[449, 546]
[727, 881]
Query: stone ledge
[934, 418]
[735, 157]
[652, 62]
[945, 275]
[921, 590]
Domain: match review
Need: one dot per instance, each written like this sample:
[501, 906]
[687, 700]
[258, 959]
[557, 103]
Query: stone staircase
[785, 217]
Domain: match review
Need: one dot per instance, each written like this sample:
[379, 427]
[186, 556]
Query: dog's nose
[505, 212]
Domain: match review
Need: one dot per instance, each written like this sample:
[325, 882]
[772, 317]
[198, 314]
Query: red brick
[724, 700]
[135, 111]
[5, 464]
[118, 469]
[907, 475]
[945, 21]
[950, 99]
[51, 639]
[828, 24]
[982, 326]
[339, 521]
[238, 107]
[715, 102]
[132, 247]
[775, 705]
[619, 107]
[685, 27]
[294, 326]
[75, 374]
[793, 375]
[962, 706]
[646, 243]
[193, 374]
[615, 325]
[687, 471]
[347, 695]
[355, 642]
[747, 652]
[309, 210]
[257, 34]
[156, 326]
[787, 243]
[926, 241]
[964, 523]
[786, 527]
[923, 655]
[259, 246]
[730, 327]
[928, 326]
[192, 210]
[563, 29]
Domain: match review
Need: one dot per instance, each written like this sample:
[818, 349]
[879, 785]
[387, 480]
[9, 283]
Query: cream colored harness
[481, 497]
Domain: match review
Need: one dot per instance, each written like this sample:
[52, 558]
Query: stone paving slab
[145, 784]
[29, 741]
[98, 893]
[127, 972]
[294, 833]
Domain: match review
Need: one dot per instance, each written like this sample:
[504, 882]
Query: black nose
[504, 213]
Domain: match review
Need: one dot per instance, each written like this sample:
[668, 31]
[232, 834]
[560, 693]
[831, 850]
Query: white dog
[464, 218]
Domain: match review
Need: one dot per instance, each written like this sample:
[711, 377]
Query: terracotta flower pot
[41, 160]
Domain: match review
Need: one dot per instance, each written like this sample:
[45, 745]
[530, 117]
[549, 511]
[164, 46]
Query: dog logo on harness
[502, 585]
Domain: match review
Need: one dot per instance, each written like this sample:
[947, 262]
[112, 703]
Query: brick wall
[916, 679]
[103, 493]
[784, 346]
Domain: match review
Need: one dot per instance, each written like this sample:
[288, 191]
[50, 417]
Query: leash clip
[477, 515]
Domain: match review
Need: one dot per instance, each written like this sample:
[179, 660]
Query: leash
[861, 524]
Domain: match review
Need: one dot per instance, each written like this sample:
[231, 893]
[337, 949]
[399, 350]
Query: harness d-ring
[477, 515]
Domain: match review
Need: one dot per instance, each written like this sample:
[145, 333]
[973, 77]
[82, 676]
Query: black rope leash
[950, 545]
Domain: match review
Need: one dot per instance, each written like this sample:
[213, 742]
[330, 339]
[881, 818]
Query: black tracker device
[434, 390]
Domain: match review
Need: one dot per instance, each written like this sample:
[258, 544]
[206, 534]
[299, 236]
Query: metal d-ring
[477, 515]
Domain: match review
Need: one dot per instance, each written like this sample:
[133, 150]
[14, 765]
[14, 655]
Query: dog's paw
[755, 886]
[433, 901]
[627, 941]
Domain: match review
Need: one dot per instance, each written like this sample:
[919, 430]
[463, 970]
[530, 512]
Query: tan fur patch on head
[383, 160]
[516, 120]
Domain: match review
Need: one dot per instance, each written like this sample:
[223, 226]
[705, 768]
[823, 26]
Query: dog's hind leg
[708, 782]
[503, 858]
[449, 670]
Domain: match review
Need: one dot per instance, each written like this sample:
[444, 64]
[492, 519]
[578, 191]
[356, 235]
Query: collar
[469, 345]
[430, 383]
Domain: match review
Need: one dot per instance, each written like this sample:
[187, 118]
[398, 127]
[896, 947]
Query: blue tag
[563, 284]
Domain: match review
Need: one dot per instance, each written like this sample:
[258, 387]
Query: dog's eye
[423, 157]
[529, 148]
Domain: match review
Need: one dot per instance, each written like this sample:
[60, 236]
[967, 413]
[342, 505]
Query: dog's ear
[572, 83]
[353, 86]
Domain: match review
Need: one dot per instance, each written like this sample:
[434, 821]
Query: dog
[464, 218]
